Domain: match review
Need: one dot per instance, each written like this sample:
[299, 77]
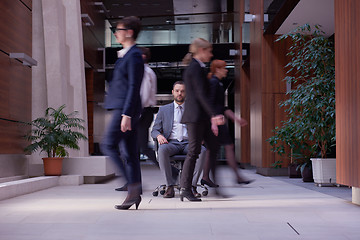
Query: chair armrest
[156, 144]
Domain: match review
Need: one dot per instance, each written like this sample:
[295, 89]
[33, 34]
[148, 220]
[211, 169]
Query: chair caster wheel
[162, 191]
[205, 193]
[155, 194]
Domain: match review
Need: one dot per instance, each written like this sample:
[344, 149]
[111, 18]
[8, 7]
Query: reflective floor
[270, 208]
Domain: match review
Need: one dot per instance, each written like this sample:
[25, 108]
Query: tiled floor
[269, 208]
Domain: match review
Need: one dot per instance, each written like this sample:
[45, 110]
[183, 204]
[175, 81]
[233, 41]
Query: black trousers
[145, 121]
[121, 147]
[197, 133]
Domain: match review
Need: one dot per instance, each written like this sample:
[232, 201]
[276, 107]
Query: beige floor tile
[267, 209]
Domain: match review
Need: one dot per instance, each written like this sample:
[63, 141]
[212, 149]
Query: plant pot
[307, 175]
[294, 171]
[53, 166]
[324, 170]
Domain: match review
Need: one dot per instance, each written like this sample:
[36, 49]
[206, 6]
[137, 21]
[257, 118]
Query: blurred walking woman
[218, 72]
[123, 98]
[199, 115]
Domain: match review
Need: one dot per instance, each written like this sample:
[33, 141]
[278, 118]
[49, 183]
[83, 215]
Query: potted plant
[310, 106]
[285, 141]
[52, 134]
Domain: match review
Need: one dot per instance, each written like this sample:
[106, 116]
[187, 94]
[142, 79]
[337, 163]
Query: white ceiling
[311, 12]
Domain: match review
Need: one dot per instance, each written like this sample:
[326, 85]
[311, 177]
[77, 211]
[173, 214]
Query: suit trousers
[197, 132]
[121, 147]
[173, 147]
[146, 118]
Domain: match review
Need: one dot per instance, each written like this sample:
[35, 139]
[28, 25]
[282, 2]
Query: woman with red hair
[217, 72]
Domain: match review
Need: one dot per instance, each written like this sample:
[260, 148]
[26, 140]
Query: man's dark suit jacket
[124, 89]
[198, 106]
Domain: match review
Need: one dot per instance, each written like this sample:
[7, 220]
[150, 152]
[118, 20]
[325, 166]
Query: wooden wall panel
[15, 89]
[268, 115]
[15, 27]
[274, 60]
[98, 18]
[93, 38]
[242, 96]
[91, 53]
[15, 78]
[11, 140]
[99, 87]
[27, 3]
[274, 91]
[347, 75]
[257, 8]
[245, 113]
[267, 88]
[89, 75]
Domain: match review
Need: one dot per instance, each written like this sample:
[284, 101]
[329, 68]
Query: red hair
[214, 65]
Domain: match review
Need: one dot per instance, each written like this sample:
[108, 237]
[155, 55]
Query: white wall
[59, 77]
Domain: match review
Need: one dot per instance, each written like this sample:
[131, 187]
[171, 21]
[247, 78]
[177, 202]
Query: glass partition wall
[181, 29]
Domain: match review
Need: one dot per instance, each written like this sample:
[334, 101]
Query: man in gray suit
[172, 136]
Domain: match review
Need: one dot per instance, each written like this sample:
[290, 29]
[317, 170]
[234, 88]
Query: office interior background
[66, 51]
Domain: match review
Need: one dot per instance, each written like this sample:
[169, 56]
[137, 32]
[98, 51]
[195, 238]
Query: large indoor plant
[53, 134]
[310, 106]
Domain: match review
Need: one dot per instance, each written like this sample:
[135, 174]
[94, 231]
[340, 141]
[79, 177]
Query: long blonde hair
[194, 47]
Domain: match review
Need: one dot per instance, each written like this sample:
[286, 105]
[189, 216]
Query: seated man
[172, 138]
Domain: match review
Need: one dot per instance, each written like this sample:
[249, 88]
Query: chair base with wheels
[177, 162]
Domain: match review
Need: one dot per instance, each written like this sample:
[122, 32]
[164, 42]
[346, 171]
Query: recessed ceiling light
[127, 4]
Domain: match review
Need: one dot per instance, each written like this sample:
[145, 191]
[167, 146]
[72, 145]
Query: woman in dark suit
[199, 115]
[123, 98]
[218, 72]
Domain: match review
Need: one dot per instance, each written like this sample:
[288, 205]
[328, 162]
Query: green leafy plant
[55, 132]
[310, 107]
[277, 164]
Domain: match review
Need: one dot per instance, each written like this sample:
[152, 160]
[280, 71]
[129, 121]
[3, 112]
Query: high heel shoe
[244, 181]
[195, 192]
[123, 188]
[128, 203]
[209, 183]
[184, 193]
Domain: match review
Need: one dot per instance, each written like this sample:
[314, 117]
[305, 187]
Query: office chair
[177, 162]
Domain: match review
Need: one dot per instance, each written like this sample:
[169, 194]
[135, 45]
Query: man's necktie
[180, 131]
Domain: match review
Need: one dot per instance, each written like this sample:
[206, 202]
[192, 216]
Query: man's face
[179, 93]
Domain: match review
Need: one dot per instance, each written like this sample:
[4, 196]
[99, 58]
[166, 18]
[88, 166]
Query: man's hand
[161, 139]
[125, 123]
